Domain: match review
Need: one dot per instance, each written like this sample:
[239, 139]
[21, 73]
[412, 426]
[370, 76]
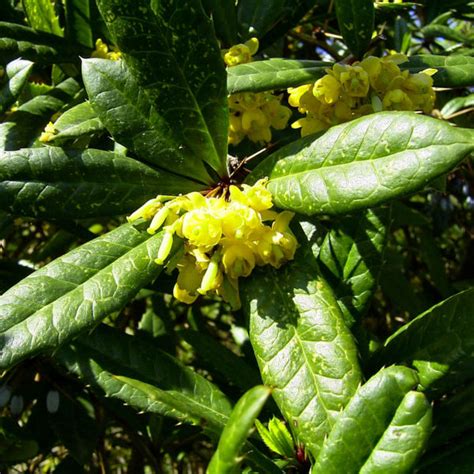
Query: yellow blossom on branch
[371, 85]
[225, 237]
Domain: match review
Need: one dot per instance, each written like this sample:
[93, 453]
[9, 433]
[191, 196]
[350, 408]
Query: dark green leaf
[364, 422]
[356, 23]
[41, 16]
[15, 447]
[363, 163]
[57, 183]
[224, 16]
[134, 370]
[439, 343]
[78, 22]
[22, 41]
[183, 74]
[17, 75]
[453, 71]
[273, 74]
[351, 257]
[75, 292]
[75, 429]
[257, 19]
[77, 121]
[457, 458]
[232, 367]
[241, 421]
[303, 347]
[452, 417]
[126, 110]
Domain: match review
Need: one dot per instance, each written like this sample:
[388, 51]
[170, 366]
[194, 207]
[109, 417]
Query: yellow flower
[188, 281]
[48, 134]
[241, 53]
[355, 81]
[201, 228]
[327, 89]
[397, 100]
[238, 259]
[102, 51]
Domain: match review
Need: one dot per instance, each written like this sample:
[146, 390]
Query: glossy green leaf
[226, 459]
[83, 287]
[78, 17]
[41, 16]
[351, 257]
[232, 367]
[17, 75]
[183, 74]
[273, 74]
[453, 71]
[76, 122]
[356, 23]
[134, 370]
[404, 440]
[439, 343]
[126, 110]
[23, 127]
[277, 437]
[365, 420]
[452, 417]
[363, 163]
[57, 183]
[22, 41]
[303, 348]
[224, 16]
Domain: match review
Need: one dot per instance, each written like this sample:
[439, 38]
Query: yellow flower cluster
[225, 237]
[348, 92]
[253, 115]
[102, 51]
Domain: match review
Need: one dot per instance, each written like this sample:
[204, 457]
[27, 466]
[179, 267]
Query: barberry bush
[236, 236]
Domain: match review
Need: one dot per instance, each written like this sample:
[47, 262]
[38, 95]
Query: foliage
[189, 285]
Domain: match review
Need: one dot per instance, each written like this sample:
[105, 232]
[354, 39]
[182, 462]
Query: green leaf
[366, 421]
[23, 127]
[277, 437]
[57, 183]
[224, 16]
[232, 367]
[78, 22]
[363, 163]
[351, 258]
[17, 75]
[226, 458]
[173, 53]
[435, 31]
[356, 23]
[126, 110]
[273, 74]
[22, 41]
[76, 122]
[404, 439]
[439, 343]
[15, 445]
[134, 370]
[41, 16]
[456, 104]
[453, 71]
[75, 292]
[303, 348]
